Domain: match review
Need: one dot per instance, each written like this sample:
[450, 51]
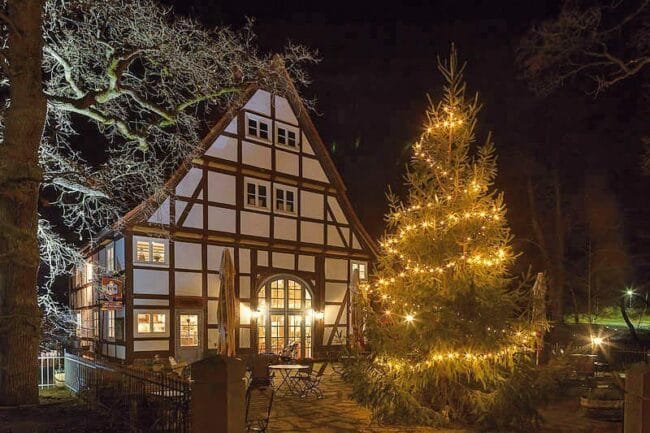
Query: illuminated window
[144, 323]
[158, 320]
[111, 323]
[151, 251]
[152, 323]
[256, 195]
[285, 200]
[362, 268]
[257, 127]
[95, 323]
[189, 330]
[78, 323]
[286, 136]
[110, 257]
[286, 317]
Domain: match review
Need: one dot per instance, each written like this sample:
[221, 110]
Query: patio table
[286, 372]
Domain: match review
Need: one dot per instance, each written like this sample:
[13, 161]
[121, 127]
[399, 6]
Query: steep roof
[144, 209]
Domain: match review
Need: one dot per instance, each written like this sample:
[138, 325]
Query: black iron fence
[138, 401]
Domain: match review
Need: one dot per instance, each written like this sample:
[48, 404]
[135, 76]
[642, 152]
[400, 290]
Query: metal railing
[137, 400]
[50, 369]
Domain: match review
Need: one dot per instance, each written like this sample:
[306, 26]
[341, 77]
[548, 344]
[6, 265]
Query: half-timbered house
[263, 187]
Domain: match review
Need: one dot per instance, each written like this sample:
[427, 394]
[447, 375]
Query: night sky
[378, 65]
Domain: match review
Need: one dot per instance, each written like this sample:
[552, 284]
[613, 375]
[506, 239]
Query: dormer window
[257, 127]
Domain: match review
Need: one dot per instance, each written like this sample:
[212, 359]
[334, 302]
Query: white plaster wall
[148, 301]
[244, 313]
[333, 236]
[221, 187]
[214, 256]
[254, 224]
[262, 258]
[180, 207]
[311, 232]
[224, 147]
[312, 169]
[256, 155]
[245, 287]
[187, 185]
[260, 102]
[161, 215]
[336, 269]
[336, 210]
[214, 285]
[335, 292]
[284, 228]
[283, 111]
[244, 260]
[188, 255]
[244, 338]
[194, 217]
[232, 126]
[311, 204]
[331, 311]
[213, 338]
[306, 146]
[283, 260]
[355, 242]
[222, 219]
[188, 284]
[213, 306]
[306, 263]
[150, 345]
[150, 282]
[286, 162]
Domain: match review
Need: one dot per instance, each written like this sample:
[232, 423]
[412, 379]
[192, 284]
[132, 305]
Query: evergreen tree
[441, 314]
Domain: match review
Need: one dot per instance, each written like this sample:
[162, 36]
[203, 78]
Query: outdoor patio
[337, 413]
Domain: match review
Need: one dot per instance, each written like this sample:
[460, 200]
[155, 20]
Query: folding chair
[259, 400]
[310, 383]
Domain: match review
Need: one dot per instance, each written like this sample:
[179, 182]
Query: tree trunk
[20, 177]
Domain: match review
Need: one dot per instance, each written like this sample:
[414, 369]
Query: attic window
[285, 199]
[286, 137]
[256, 127]
[256, 195]
[152, 251]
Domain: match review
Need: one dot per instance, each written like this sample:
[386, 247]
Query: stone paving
[337, 413]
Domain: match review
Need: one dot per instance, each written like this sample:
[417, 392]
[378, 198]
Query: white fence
[49, 364]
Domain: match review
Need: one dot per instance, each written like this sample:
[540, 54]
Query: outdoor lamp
[597, 341]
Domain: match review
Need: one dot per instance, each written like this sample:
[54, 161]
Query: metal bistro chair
[259, 369]
[310, 383]
[259, 400]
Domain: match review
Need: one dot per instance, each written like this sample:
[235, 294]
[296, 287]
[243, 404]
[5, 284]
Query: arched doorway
[285, 304]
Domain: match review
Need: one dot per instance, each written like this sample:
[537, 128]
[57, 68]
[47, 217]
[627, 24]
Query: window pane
[251, 194]
[282, 136]
[277, 333]
[291, 140]
[307, 300]
[189, 330]
[294, 329]
[144, 323]
[289, 201]
[110, 258]
[261, 195]
[158, 322]
[158, 252]
[142, 251]
[277, 294]
[252, 127]
[264, 130]
[294, 295]
[279, 199]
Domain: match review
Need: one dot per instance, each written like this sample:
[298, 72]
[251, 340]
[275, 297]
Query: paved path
[337, 413]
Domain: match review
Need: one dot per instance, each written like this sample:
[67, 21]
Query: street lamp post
[630, 294]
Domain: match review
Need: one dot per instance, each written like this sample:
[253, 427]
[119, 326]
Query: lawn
[612, 317]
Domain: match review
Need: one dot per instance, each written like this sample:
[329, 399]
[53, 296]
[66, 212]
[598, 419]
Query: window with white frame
[362, 267]
[152, 323]
[110, 257]
[89, 272]
[286, 136]
[257, 194]
[153, 251]
[111, 323]
[285, 199]
[257, 127]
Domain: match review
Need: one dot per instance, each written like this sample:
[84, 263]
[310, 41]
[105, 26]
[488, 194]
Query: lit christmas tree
[441, 317]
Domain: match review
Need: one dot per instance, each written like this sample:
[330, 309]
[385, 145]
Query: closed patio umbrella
[227, 312]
